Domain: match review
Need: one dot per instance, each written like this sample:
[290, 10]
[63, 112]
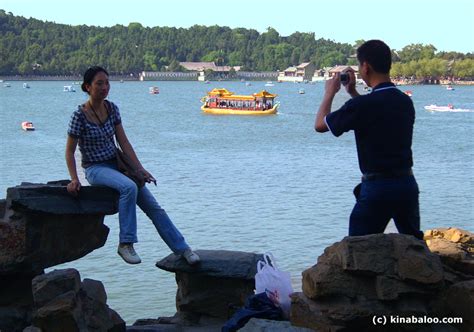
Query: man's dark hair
[377, 54]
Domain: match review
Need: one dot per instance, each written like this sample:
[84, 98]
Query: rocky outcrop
[41, 226]
[382, 275]
[63, 303]
[454, 246]
[220, 283]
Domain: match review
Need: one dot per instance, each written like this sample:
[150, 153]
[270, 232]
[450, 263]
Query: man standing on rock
[382, 122]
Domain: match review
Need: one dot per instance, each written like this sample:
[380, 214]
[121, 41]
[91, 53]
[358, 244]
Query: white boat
[153, 90]
[449, 108]
[449, 87]
[269, 83]
[6, 85]
[26, 86]
[301, 91]
[27, 126]
[69, 88]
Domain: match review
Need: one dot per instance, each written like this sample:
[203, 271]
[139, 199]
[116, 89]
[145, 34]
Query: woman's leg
[168, 232]
[105, 174]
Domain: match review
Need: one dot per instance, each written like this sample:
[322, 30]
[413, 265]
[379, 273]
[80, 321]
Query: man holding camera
[382, 122]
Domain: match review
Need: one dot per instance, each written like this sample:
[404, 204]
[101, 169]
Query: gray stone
[53, 198]
[63, 304]
[43, 226]
[215, 263]
[47, 287]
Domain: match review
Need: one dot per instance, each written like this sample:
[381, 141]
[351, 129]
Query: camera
[344, 78]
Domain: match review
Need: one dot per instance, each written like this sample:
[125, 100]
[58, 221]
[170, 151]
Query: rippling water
[237, 183]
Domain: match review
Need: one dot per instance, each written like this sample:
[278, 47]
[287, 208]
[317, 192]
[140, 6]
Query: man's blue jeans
[106, 174]
[380, 200]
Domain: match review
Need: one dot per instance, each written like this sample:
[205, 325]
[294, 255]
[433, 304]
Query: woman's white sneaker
[129, 255]
[191, 257]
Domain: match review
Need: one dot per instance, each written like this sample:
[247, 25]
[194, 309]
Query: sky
[446, 24]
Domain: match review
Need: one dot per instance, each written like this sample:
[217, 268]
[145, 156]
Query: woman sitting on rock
[93, 126]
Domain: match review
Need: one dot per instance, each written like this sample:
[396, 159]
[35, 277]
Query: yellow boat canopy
[224, 93]
[264, 94]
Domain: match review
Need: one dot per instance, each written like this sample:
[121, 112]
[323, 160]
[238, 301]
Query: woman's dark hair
[90, 74]
[377, 54]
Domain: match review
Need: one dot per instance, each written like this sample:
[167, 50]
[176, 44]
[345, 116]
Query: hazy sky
[446, 24]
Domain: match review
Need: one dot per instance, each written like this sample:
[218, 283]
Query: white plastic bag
[276, 283]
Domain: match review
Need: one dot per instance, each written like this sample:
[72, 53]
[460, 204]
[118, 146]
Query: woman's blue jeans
[106, 174]
[378, 201]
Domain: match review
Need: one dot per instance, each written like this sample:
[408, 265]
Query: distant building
[300, 73]
[328, 72]
[339, 69]
[201, 67]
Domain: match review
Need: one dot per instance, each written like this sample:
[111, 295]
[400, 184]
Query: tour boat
[154, 90]
[69, 88]
[222, 101]
[27, 126]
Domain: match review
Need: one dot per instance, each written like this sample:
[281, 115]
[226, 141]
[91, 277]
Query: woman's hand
[148, 177]
[73, 187]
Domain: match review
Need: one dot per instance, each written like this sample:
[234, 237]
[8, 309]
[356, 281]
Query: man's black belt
[387, 175]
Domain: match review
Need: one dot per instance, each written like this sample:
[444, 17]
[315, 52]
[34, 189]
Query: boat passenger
[383, 123]
[93, 127]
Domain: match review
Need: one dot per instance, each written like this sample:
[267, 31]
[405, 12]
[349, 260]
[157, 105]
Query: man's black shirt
[383, 125]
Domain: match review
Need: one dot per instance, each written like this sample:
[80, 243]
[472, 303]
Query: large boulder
[381, 275]
[63, 303]
[41, 225]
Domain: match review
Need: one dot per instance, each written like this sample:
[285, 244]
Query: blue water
[254, 184]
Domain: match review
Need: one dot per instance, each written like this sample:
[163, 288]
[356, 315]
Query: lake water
[253, 184]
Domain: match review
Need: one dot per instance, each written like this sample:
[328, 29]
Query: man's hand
[351, 86]
[333, 85]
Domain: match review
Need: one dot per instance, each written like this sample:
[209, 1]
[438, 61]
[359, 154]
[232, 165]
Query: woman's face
[99, 87]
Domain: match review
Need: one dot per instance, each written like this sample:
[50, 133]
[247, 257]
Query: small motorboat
[301, 91]
[154, 90]
[248, 84]
[269, 83]
[449, 87]
[6, 85]
[27, 126]
[449, 108]
[409, 93]
[26, 86]
[69, 88]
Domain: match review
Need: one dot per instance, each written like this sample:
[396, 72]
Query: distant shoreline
[78, 78]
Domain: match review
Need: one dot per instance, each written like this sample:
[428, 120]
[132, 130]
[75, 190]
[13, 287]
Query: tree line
[35, 47]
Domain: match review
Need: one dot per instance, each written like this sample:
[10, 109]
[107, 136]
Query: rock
[223, 280]
[44, 226]
[53, 198]
[380, 266]
[455, 247]
[365, 276]
[215, 263]
[48, 286]
[459, 302]
[41, 226]
[262, 325]
[64, 304]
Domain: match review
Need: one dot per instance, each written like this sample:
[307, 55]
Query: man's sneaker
[191, 257]
[126, 251]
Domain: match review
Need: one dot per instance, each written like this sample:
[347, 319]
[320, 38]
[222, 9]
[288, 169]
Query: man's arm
[331, 88]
